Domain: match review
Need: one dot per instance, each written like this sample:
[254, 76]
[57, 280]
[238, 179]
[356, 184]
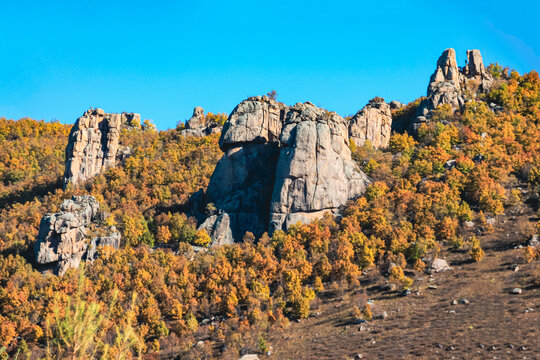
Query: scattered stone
[464, 301]
[481, 346]
[454, 302]
[380, 316]
[514, 267]
[527, 310]
[516, 291]
[249, 357]
[511, 346]
[492, 348]
[534, 241]
[247, 351]
[406, 292]
[205, 322]
[491, 221]
[359, 356]
[451, 311]
[440, 346]
[522, 348]
[451, 348]
[450, 164]
[438, 265]
[200, 344]
[469, 224]
[432, 287]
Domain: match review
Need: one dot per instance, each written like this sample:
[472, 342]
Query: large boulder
[93, 144]
[373, 123]
[63, 237]
[281, 165]
[451, 85]
[315, 173]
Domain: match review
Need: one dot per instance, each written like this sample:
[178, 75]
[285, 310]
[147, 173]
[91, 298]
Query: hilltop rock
[63, 237]
[373, 123]
[198, 125]
[315, 173]
[281, 165]
[93, 144]
[451, 85]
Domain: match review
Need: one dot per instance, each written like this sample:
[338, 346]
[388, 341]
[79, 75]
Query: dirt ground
[495, 324]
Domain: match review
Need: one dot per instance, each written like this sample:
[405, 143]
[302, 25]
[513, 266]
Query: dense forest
[158, 295]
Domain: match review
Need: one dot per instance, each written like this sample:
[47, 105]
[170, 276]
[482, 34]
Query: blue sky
[162, 58]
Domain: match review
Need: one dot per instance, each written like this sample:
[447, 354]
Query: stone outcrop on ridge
[373, 123]
[451, 85]
[93, 144]
[198, 125]
[63, 239]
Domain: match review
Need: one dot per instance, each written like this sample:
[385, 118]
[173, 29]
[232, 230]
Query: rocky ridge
[93, 144]
[63, 239]
[281, 165]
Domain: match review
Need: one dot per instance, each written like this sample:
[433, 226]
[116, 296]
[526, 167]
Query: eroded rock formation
[93, 144]
[63, 239]
[281, 165]
[451, 85]
[198, 125]
[373, 123]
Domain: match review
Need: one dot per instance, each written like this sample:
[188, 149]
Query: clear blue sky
[162, 58]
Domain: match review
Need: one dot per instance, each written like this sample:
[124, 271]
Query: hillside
[456, 176]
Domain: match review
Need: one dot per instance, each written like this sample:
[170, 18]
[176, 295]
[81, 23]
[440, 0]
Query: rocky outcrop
[198, 125]
[315, 172]
[93, 144]
[451, 85]
[63, 239]
[242, 182]
[281, 165]
[373, 123]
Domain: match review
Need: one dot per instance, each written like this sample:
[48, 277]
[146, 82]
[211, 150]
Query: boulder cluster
[281, 165]
[450, 84]
[64, 237]
[93, 144]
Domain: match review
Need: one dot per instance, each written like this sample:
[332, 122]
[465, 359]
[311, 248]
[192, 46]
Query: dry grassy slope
[495, 325]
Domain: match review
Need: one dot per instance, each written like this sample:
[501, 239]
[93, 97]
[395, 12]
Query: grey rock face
[373, 123]
[281, 165]
[62, 240]
[451, 85]
[315, 172]
[93, 144]
[198, 126]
